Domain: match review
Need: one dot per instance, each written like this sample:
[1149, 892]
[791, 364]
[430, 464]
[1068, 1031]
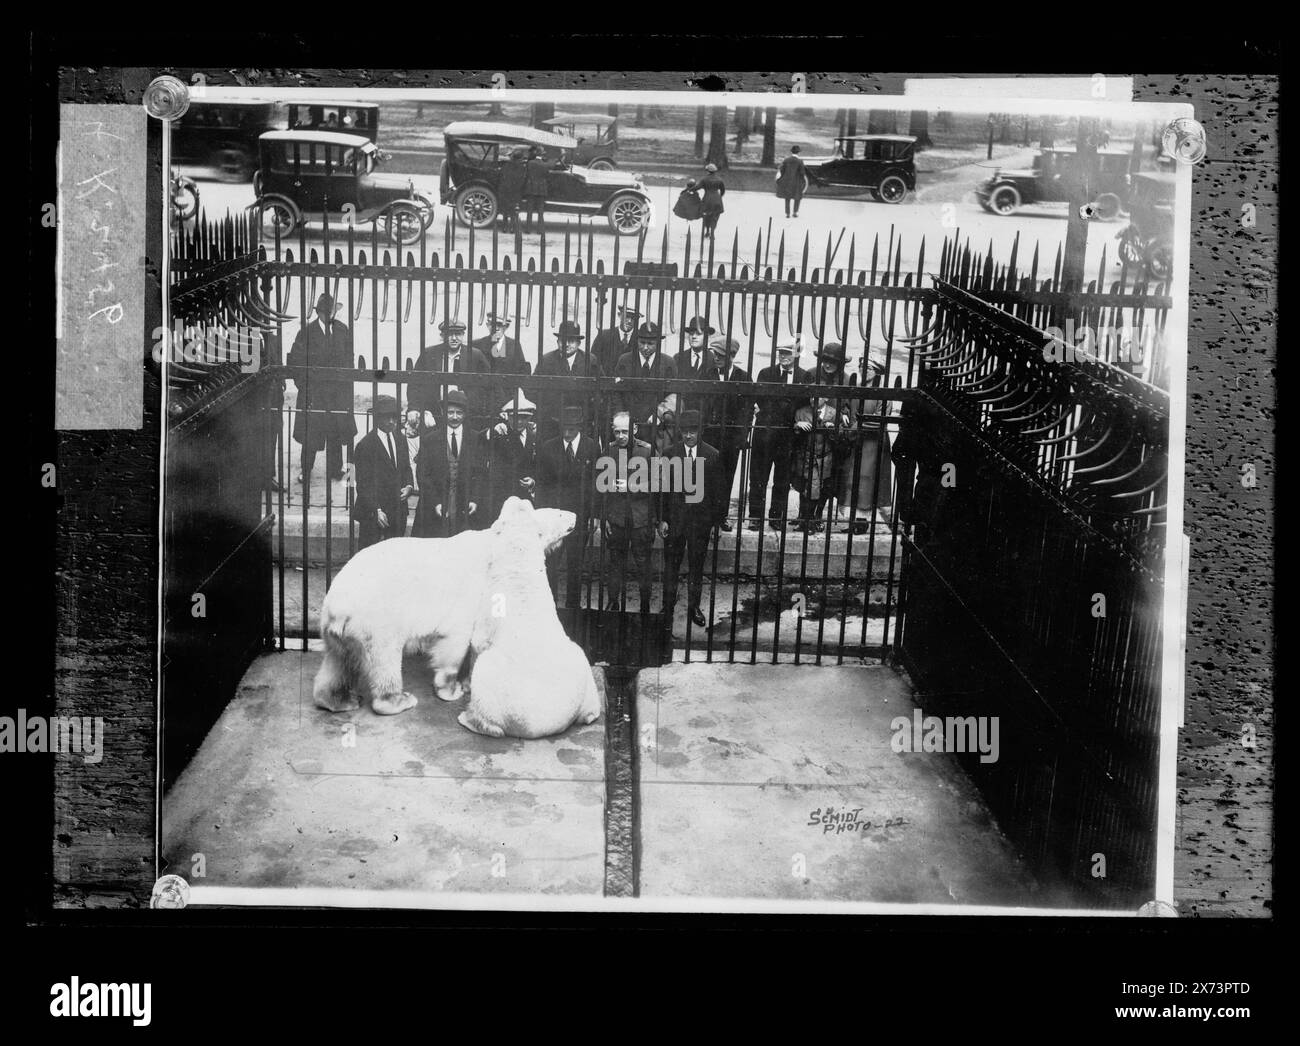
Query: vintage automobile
[596, 135]
[305, 175]
[346, 117]
[1054, 178]
[1148, 239]
[476, 152]
[222, 137]
[882, 163]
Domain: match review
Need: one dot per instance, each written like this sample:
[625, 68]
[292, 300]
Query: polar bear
[410, 596]
[529, 679]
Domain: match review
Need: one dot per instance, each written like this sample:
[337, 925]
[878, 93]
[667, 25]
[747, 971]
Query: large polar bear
[528, 679]
[414, 595]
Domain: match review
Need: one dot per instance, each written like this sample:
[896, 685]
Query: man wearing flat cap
[322, 418]
[511, 454]
[613, 342]
[451, 355]
[646, 407]
[566, 480]
[450, 470]
[691, 511]
[567, 361]
[383, 475]
[504, 355]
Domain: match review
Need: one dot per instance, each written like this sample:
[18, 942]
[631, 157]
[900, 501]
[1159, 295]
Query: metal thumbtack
[1158, 910]
[1184, 140]
[171, 891]
[166, 98]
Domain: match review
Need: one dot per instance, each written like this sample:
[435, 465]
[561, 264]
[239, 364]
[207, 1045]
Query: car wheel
[1160, 260]
[628, 213]
[1107, 206]
[427, 209]
[234, 165]
[476, 206]
[404, 224]
[892, 189]
[603, 164]
[277, 216]
[1004, 200]
[257, 183]
[1130, 249]
[185, 202]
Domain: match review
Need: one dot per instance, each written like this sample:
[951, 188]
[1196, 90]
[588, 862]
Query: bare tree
[851, 123]
[918, 126]
[882, 121]
[718, 137]
[769, 138]
[640, 116]
[542, 111]
[1046, 132]
[1082, 192]
[699, 131]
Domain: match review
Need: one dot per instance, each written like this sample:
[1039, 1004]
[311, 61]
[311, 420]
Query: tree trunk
[1135, 164]
[640, 116]
[757, 125]
[841, 122]
[1046, 133]
[769, 138]
[918, 126]
[699, 132]
[718, 137]
[882, 121]
[494, 109]
[1082, 193]
[1004, 135]
[542, 111]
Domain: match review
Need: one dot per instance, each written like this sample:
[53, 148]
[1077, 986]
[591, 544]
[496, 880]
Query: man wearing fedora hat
[689, 518]
[613, 342]
[729, 416]
[511, 455]
[695, 362]
[383, 473]
[451, 355]
[322, 418]
[773, 425]
[567, 361]
[504, 355]
[646, 362]
[450, 470]
[566, 480]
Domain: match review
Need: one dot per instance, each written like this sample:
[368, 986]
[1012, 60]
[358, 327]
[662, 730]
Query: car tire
[476, 206]
[233, 165]
[404, 223]
[277, 213]
[628, 213]
[892, 189]
[1159, 260]
[1107, 206]
[1130, 249]
[602, 164]
[427, 209]
[1004, 200]
[185, 202]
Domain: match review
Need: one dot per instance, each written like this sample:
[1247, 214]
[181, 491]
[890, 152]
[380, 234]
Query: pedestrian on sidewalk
[792, 181]
[687, 206]
[711, 207]
[510, 189]
[535, 189]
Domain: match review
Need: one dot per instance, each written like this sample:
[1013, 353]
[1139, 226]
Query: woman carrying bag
[688, 202]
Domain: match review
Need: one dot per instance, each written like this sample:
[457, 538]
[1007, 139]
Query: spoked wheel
[1004, 200]
[628, 214]
[404, 224]
[602, 164]
[185, 201]
[277, 216]
[1130, 250]
[477, 206]
[892, 189]
[1160, 260]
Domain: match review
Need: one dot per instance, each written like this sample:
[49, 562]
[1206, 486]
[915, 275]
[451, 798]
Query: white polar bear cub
[410, 595]
[529, 679]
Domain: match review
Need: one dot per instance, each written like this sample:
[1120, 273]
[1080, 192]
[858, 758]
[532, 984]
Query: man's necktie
[572, 454]
[392, 451]
[455, 448]
[645, 370]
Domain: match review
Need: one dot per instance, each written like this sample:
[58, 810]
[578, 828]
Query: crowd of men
[460, 451]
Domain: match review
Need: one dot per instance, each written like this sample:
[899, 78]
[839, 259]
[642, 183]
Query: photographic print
[738, 502]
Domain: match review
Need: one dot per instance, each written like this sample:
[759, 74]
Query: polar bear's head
[519, 521]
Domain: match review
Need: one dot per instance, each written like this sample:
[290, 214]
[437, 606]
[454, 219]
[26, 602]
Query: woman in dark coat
[688, 202]
[713, 189]
[792, 181]
[873, 474]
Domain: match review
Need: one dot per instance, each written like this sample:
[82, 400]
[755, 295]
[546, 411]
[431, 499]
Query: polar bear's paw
[337, 700]
[392, 704]
[447, 685]
[589, 717]
[470, 722]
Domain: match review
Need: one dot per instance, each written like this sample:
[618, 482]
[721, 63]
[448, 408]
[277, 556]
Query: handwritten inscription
[850, 820]
[102, 222]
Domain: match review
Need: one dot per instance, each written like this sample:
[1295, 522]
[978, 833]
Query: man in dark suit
[646, 362]
[613, 342]
[566, 480]
[383, 474]
[504, 355]
[450, 471]
[630, 511]
[510, 451]
[323, 416]
[692, 512]
[566, 361]
[773, 428]
[729, 417]
[535, 184]
[694, 362]
[451, 355]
